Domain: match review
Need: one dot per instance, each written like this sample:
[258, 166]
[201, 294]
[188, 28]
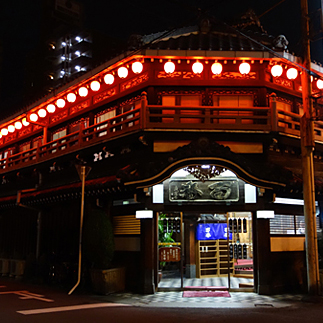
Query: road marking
[24, 294]
[69, 308]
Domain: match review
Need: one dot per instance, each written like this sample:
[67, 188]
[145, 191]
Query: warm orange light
[169, 67]
[137, 67]
[71, 97]
[95, 86]
[122, 72]
[60, 103]
[25, 122]
[292, 73]
[319, 84]
[33, 117]
[11, 128]
[244, 68]
[276, 70]
[42, 113]
[216, 68]
[197, 68]
[83, 91]
[4, 131]
[18, 125]
[108, 79]
[51, 108]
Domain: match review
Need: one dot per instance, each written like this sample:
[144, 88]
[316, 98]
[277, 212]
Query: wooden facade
[135, 132]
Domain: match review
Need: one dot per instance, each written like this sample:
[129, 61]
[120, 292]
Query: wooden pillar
[263, 256]
[189, 248]
[147, 256]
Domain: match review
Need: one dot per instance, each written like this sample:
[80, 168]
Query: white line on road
[68, 308]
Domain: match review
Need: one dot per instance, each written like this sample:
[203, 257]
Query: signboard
[169, 254]
[212, 231]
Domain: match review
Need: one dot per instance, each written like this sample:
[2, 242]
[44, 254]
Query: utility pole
[308, 145]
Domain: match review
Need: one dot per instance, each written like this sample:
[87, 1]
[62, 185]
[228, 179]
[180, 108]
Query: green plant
[98, 240]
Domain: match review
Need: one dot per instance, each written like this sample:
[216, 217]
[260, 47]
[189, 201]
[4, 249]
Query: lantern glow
[169, 67]
[83, 91]
[18, 125]
[51, 108]
[11, 128]
[60, 103]
[71, 97]
[319, 84]
[95, 86]
[216, 68]
[33, 117]
[137, 67]
[122, 72]
[197, 68]
[25, 122]
[4, 131]
[276, 70]
[291, 73]
[108, 79]
[42, 113]
[244, 68]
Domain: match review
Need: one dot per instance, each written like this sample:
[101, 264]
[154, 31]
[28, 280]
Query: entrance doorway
[205, 250]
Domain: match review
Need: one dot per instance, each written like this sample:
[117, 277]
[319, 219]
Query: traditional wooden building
[198, 127]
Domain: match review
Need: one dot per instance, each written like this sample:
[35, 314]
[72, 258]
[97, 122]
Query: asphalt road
[41, 304]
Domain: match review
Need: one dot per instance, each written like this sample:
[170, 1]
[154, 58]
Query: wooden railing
[156, 117]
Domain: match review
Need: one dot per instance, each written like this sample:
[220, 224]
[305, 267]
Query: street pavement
[23, 302]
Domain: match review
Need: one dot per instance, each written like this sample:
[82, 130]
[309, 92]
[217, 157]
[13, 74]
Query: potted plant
[98, 247]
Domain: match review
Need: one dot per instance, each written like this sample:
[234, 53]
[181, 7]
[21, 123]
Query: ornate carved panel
[134, 82]
[79, 107]
[235, 76]
[104, 95]
[224, 190]
[283, 82]
[24, 131]
[178, 75]
[59, 116]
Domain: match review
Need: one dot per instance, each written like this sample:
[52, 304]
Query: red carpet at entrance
[206, 293]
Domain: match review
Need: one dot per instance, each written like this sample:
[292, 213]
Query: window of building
[104, 116]
[290, 224]
[233, 101]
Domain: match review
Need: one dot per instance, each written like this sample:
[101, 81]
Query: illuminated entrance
[199, 247]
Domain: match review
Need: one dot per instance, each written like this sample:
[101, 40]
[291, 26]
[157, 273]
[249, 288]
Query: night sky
[21, 27]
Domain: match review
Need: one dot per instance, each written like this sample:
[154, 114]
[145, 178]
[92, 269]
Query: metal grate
[126, 224]
[290, 224]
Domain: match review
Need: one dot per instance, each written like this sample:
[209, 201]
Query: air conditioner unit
[17, 268]
[4, 267]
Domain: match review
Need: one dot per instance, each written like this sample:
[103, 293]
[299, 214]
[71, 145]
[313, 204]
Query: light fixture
[216, 68]
[11, 128]
[319, 84]
[63, 58]
[42, 113]
[18, 125]
[83, 91]
[276, 70]
[4, 131]
[60, 103]
[292, 73]
[77, 68]
[78, 38]
[33, 117]
[95, 86]
[78, 53]
[137, 67]
[169, 67]
[108, 79]
[244, 68]
[71, 97]
[63, 43]
[197, 68]
[51, 108]
[122, 72]
[25, 122]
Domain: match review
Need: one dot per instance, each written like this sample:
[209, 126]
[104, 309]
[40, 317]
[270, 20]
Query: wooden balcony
[165, 118]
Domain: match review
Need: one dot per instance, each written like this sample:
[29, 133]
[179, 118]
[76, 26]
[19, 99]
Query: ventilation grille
[126, 224]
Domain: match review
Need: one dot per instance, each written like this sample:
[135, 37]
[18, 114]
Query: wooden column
[147, 256]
